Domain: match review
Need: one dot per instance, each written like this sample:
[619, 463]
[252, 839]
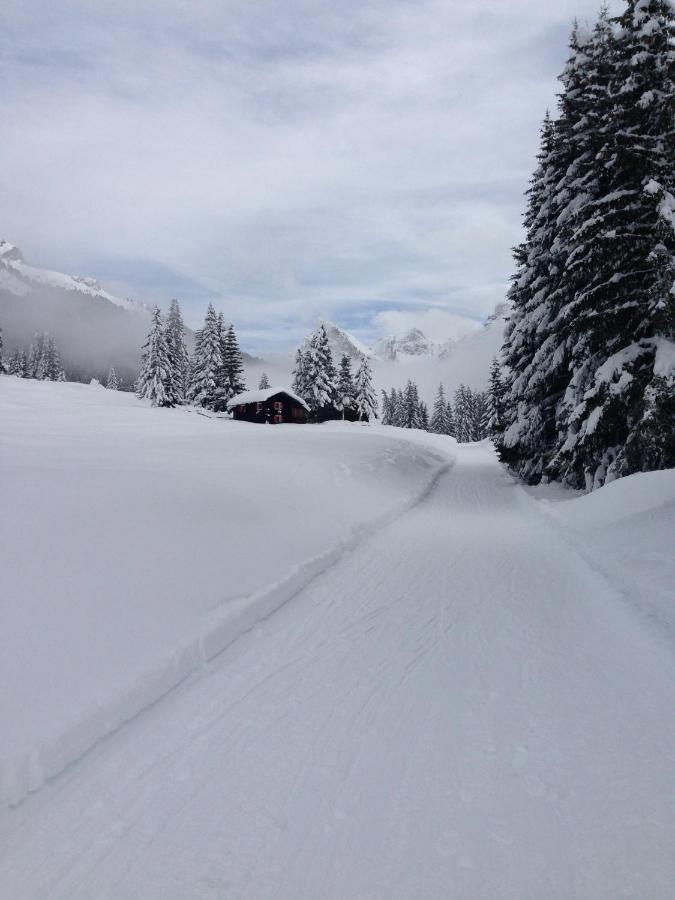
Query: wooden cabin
[272, 406]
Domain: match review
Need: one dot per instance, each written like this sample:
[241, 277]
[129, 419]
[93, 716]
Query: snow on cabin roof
[261, 396]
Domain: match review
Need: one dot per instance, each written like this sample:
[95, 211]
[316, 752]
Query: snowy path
[460, 708]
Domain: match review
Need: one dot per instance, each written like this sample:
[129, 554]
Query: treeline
[210, 378]
[470, 417]
[332, 393]
[41, 361]
[589, 351]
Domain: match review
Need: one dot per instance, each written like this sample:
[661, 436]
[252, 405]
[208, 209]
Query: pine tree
[17, 364]
[206, 388]
[461, 414]
[537, 347]
[299, 383]
[177, 349]
[423, 416]
[319, 374]
[264, 382]
[345, 391]
[112, 383]
[3, 366]
[496, 392]
[35, 361]
[51, 361]
[441, 414]
[386, 409]
[480, 416]
[154, 381]
[232, 377]
[364, 394]
[622, 317]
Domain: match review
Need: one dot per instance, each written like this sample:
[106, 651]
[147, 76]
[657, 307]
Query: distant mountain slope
[93, 329]
[411, 343]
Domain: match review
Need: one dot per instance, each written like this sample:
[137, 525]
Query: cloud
[292, 158]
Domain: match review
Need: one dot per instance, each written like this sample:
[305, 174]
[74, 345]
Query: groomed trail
[459, 708]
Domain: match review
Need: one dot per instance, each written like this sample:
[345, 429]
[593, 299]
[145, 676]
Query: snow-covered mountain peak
[341, 342]
[10, 252]
[411, 343]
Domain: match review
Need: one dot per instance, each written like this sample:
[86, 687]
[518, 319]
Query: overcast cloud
[362, 161]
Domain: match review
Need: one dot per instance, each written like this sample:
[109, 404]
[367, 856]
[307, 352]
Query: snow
[135, 543]
[16, 269]
[261, 396]
[461, 706]
[626, 531]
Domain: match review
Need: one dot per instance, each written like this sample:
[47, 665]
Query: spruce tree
[177, 349]
[319, 374]
[299, 383]
[264, 382]
[364, 393]
[622, 317]
[112, 383]
[441, 414]
[206, 388]
[17, 364]
[3, 366]
[155, 378]
[51, 361]
[386, 408]
[423, 416]
[345, 390]
[496, 392]
[232, 372]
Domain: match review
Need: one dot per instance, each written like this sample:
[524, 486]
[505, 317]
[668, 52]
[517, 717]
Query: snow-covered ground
[468, 704]
[137, 542]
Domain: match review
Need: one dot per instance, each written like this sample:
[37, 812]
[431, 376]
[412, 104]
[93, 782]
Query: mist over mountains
[95, 330]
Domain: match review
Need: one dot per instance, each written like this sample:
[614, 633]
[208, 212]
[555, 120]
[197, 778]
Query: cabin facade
[272, 406]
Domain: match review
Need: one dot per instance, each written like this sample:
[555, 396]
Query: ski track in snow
[458, 708]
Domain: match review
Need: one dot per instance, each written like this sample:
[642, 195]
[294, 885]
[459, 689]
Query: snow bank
[626, 531]
[136, 544]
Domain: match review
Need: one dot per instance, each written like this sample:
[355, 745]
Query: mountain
[341, 342]
[411, 343]
[93, 329]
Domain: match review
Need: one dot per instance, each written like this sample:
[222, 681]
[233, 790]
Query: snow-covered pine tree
[17, 364]
[154, 381]
[299, 383]
[537, 347]
[451, 420]
[440, 422]
[618, 406]
[345, 389]
[364, 393]
[232, 366]
[411, 406]
[112, 383]
[177, 349]
[495, 395]
[3, 366]
[206, 365]
[264, 382]
[51, 366]
[319, 375]
[423, 416]
[386, 409]
[480, 415]
[462, 414]
[35, 361]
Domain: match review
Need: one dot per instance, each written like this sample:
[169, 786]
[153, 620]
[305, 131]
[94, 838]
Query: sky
[361, 161]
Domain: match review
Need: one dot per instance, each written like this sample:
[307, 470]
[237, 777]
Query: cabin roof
[261, 396]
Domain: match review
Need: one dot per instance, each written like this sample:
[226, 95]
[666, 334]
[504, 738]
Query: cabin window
[278, 420]
[278, 405]
[258, 407]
